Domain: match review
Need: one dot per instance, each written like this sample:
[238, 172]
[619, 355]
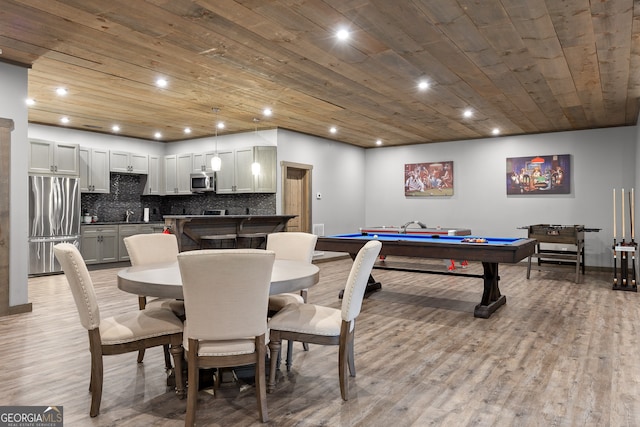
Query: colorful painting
[539, 175]
[428, 179]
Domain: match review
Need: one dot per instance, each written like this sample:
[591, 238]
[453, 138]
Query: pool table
[490, 252]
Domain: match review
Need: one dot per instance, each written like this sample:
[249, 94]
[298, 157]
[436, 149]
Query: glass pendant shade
[255, 168]
[216, 162]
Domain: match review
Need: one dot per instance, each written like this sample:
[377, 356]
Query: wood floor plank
[558, 353]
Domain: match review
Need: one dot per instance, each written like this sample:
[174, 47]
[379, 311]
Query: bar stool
[252, 240]
[218, 241]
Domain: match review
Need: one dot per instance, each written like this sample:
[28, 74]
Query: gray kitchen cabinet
[124, 162]
[53, 158]
[202, 161]
[235, 174]
[177, 174]
[266, 157]
[154, 177]
[94, 170]
[98, 243]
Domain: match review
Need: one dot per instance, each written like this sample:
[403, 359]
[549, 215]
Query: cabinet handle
[55, 168]
[51, 168]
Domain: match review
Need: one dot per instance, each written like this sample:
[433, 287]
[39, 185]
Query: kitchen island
[189, 228]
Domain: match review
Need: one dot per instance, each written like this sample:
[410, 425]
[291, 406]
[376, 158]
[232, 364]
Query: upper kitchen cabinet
[94, 170]
[236, 175]
[46, 157]
[202, 161]
[153, 185]
[129, 162]
[177, 174]
[265, 180]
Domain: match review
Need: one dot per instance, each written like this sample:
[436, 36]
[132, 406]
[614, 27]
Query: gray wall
[601, 160]
[338, 171]
[13, 87]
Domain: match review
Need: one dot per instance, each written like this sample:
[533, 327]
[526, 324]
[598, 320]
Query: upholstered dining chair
[148, 249]
[124, 333]
[295, 246]
[225, 294]
[325, 325]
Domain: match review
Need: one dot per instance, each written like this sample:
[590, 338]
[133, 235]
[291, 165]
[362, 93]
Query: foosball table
[561, 237]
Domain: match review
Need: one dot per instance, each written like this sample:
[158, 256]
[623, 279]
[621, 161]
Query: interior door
[296, 199]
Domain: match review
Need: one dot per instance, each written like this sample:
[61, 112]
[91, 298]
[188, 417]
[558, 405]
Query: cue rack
[624, 277]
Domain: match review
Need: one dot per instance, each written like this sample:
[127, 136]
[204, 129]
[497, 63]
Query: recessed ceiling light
[467, 113]
[220, 125]
[379, 142]
[162, 83]
[30, 101]
[157, 135]
[423, 85]
[187, 130]
[342, 34]
[115, 128]
[65, 120]
[495, 131]
[61, 91]
[333, 129]
[267, 112]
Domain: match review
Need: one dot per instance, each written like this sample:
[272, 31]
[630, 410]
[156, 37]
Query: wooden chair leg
[167, 357]
[343, 356]
[193, 383]
[142, 303]
[261, 390]
[274, 346]
[177, 353]
[289, 355]
[97, 372]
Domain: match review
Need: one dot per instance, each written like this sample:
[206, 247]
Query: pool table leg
[491, 298]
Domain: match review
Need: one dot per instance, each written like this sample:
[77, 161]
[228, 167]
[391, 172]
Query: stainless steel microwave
[202, 182]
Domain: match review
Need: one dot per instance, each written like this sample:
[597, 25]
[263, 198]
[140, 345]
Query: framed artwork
[428, 179]
[539, 174]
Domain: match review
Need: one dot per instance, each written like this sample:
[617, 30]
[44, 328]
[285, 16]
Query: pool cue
[615, 266]
[633, 237]
[624, 257]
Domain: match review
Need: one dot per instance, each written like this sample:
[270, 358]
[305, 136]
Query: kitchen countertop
[123, 223]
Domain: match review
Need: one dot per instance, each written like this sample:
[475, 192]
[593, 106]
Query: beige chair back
[75, 270]
[226, 292]
[292, 245]
[358, 278]
[151, 248]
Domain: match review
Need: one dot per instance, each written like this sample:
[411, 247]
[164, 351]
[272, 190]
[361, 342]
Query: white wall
[337, 174]
[601, 160]
[13, 87]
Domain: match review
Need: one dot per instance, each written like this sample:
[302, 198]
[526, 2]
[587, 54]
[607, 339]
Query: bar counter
[189, 228]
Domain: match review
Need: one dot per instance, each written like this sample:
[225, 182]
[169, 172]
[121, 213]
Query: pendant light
[255, 166]
[216, 161]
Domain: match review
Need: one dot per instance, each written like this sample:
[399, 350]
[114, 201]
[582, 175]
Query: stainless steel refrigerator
[54, 217]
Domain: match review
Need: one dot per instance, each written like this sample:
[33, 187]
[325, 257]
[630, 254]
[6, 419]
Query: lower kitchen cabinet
[98, 243]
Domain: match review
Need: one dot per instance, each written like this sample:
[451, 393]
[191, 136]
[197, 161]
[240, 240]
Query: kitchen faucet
[129, 213]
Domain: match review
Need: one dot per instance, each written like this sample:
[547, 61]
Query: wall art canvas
[539, 174]
[428, 179]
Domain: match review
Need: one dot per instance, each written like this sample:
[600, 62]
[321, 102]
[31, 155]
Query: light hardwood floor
[558, 353]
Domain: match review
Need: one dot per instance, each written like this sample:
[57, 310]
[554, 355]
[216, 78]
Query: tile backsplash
[126, 193]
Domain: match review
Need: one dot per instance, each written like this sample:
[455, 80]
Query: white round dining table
[163, 280]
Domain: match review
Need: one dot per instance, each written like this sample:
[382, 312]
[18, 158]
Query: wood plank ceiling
[520, 66]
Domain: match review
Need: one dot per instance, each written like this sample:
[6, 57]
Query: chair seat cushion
[224, 347]
[139, 324]
[277, 302]
[307, 319]
[175, 305]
